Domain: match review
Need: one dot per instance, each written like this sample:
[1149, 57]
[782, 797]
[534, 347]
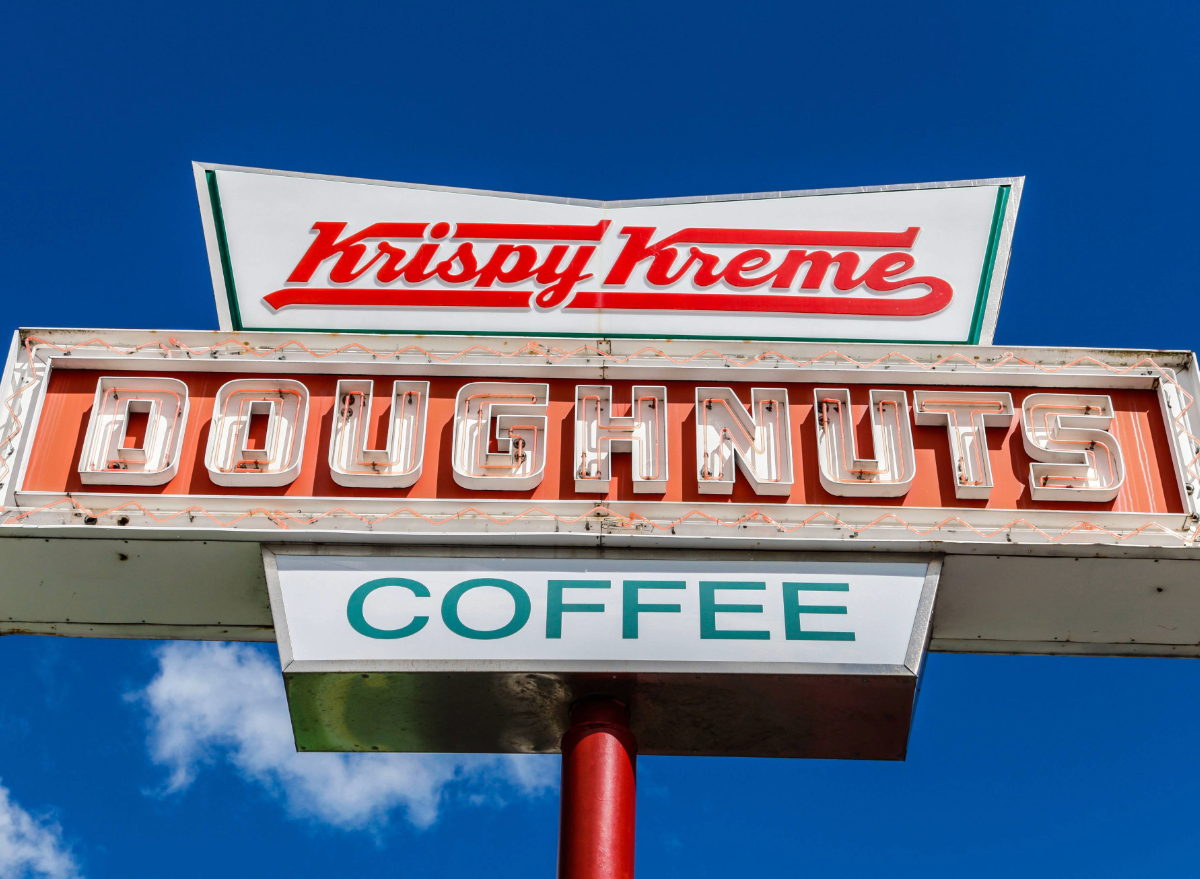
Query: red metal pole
[599, 787]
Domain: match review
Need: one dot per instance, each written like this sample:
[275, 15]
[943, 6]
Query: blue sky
[129, 759]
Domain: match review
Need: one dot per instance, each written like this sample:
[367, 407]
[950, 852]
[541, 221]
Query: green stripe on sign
[214, 199]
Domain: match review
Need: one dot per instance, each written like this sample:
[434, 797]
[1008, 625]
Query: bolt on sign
[462, 536]
[921, 263]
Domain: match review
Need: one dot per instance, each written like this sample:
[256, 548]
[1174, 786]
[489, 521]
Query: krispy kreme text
[485, 260]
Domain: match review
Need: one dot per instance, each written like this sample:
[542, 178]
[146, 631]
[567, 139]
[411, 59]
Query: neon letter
[759, 440]
[257, 432]
[518, 412]
[135, 432]
[352, 461]
[1068, 433]
[598, 434]
[967, 415]
[843, 472]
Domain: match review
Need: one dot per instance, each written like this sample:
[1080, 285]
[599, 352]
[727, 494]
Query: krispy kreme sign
[908, 263]
[327, 433]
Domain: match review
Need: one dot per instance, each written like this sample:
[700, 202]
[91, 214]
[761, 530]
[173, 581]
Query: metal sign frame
[36, 353]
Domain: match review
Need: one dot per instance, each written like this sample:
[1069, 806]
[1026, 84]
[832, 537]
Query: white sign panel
[922, 263]
[463, 614]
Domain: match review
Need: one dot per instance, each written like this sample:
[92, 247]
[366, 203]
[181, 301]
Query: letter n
[760, 440]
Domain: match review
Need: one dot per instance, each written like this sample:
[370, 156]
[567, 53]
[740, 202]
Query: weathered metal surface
[826, 716]
[105, 588]
[1101, 607]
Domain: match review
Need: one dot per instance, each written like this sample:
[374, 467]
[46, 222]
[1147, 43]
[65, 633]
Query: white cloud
[31, 847]
[213, 702]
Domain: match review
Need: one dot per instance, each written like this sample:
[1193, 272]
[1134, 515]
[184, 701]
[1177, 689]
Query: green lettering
[792, 608]
[555, 607]
[455, 625]
[631, 608]
[709, 610]
[354, 608]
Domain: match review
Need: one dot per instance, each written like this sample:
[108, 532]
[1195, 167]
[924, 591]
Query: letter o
[354, 608]
[455, 625]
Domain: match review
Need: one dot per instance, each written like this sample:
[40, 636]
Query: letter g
[354, 608]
